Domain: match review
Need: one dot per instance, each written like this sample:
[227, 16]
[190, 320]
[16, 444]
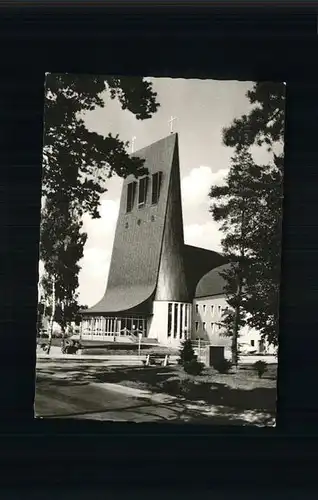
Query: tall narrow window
[180, 320]
[131, 193]
[143, 188]
[169, 319]
[156, 184]
[204, 308]
[175, 325]
[196, 326]
[197, 308]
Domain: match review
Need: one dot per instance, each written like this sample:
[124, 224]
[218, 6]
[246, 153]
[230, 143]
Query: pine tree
[263, 277]
[187, 352]
[234, 205]
[263, 126]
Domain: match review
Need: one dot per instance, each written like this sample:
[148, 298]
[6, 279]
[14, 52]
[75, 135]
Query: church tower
[152, 274]
[147, 269]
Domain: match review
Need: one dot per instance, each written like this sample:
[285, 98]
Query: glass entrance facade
[110, 326]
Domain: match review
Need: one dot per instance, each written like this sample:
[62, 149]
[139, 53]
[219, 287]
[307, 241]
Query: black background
[223, 41]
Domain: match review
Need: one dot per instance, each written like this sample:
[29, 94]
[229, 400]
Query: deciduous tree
[76, 165]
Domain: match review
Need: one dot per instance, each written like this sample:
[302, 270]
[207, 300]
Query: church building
[155, 280]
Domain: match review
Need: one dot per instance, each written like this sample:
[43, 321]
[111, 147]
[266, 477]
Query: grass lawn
[241, 390]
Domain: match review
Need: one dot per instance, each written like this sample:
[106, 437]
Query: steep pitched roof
[138, 238]
[212, 283]
[200, 261]
[172, 284]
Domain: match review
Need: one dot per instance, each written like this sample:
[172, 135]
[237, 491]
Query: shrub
[71, 347]
[186, 353]
[193, 367]
[172, 386]
[260, 367]
[223, 366]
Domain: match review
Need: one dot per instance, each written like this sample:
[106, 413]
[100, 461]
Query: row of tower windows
[213, 308]
[143, 191]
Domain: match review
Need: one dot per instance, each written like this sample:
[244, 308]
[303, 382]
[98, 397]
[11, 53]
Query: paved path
[126, 359]
[57, 397]
[98, 403]
[67, 389]
[133, 359]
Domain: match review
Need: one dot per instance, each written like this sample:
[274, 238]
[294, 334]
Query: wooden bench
[156, 359]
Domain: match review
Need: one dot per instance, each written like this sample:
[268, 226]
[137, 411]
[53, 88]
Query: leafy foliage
[76, 165]
[71, 347]
[224, 366]
[187, 354]
[193, 367]
[264, 125]
[77, 161]
[61, 247]
[260, 367]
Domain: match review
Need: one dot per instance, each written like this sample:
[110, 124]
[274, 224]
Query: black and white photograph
[160, 250]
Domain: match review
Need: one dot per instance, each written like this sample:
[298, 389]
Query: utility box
[215, 355]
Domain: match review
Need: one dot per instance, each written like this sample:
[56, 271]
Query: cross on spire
[171, 123]
[133, 144]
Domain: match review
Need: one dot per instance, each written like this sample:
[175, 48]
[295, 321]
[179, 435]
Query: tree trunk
[236, 325]
[63, 336]
[44, 311]
[63, 326]
[51, 324]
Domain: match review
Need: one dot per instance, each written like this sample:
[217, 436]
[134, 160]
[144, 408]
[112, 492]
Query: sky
[202, 108]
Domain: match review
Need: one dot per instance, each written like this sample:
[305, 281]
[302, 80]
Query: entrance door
[261, 346]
